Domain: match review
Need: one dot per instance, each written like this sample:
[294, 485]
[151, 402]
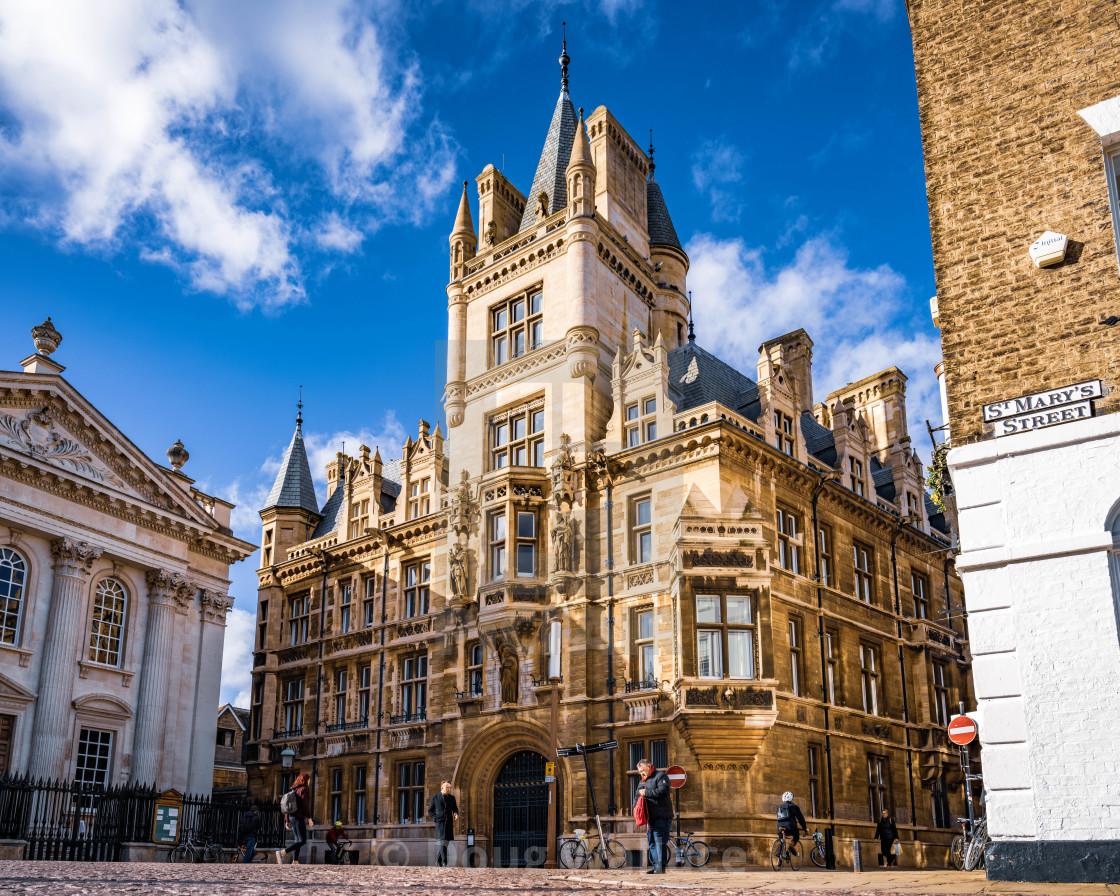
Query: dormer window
[419, 498]
[783, 428]
[855, 475]
[516, 327]
[359, 518]
[640, 423]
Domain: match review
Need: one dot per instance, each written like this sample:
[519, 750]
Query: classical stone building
[1020, 111]
[113, 580]
[748, 583]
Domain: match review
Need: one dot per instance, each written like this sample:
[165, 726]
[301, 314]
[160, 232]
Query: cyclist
[336, 838]
[789, 817]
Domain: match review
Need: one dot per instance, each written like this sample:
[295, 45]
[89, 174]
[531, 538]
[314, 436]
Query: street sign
[584, 749]
[549, 769]
[962, 730]
[567, 751]
[550, 779]
[677, 776]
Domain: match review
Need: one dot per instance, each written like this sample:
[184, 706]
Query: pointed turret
[550, 189]
[294, 489]
[463, 240]
[581, 174]
[661, 230]
[670, 263]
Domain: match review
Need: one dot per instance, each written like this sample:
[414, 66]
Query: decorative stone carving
[46, 337]
[178, 455]
[164, 587]
[455, 403]
[215, 606]
[563, 541]
[507, 671]
[491, 233]
[462, 505]
[637, 579]
[734, 698]
[73, 558]
[563, 472]
[542, 205]
[582, 352]
[708, 557]
[36, 435]
[457, 564]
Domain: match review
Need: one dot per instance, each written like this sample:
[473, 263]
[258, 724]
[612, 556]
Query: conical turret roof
[294, 488]
[660, 225]
[581, 149]
[551, 176]
[464, 223]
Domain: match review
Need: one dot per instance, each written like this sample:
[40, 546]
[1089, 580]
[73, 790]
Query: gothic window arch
[106, 628]
[13, 581]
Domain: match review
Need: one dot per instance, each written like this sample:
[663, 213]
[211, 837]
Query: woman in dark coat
[298, 821]
[887, 832]
[443, 810]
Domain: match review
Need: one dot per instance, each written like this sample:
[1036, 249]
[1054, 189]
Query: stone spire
[581, 174]
[294, 487]
[659, 224]
[550, 192]
[463, 240]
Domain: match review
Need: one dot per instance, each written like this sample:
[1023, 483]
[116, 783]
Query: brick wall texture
[1007, 157]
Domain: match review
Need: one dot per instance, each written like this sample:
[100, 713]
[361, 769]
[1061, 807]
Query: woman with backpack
[296, 806]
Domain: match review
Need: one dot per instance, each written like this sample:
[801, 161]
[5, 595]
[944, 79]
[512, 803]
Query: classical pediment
[103, 705]
[54, 427]
[10, 692]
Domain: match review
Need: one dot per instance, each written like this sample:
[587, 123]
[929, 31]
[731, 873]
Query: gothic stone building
[1020, 112]
[114, 573]
[749, 584]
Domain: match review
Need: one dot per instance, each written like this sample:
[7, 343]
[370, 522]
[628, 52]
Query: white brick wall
[1043, 626]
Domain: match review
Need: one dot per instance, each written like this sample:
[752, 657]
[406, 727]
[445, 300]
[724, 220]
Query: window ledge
[24, 655]
[85, 667]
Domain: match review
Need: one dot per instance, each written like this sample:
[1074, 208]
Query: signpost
[962, 732]
[677, 777]
[1029, 412]
[583, 750]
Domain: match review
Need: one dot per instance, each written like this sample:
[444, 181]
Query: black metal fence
[68, 820]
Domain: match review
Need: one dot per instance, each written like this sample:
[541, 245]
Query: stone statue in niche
[462, 507]
[563, 540]
[563, 472]
[491, 233]
[457, 562]
[542, 205]
[507, 672]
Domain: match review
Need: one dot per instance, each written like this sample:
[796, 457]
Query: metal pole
[591, 789]
[677, 800]
[553, 806]
[902, 666]
[967, 781]
[829, 852]
[612, 807]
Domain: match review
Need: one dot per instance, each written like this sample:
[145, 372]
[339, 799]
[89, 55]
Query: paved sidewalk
[152, 879]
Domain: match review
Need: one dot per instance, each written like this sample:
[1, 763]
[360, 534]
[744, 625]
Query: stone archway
[519, 834]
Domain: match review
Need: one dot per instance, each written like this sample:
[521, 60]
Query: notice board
[168, 813]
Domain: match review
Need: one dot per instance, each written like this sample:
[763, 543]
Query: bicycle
[577, 852]
[780, 854]
[191, 850]
[817, 855]
[238, 855]
[695, 852]
[343, 854]
[967, 849]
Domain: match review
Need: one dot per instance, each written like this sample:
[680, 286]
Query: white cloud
[388, 437]
[237, 658]
[716, 166]
[860, 320]
[177, 125]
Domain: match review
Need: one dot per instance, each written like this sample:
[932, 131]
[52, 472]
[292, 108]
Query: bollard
[829, 851]
[857, 859]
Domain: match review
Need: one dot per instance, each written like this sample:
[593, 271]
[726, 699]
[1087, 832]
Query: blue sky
[218, 203]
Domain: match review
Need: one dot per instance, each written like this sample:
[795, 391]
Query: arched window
[13, 575]
[106, 630]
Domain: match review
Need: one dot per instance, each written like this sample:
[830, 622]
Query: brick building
[230, 749]
[1020, 113]
[749, 583]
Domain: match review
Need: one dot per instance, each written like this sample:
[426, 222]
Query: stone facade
[229, 749]
[1019, 113]
[113, 580]
[604, 471]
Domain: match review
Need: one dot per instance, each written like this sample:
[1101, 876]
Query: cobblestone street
[55, 878]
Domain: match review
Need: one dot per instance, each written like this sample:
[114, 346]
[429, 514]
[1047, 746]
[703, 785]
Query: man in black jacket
[444, 811]
[789, 817]
[659, 809]
[248, 828]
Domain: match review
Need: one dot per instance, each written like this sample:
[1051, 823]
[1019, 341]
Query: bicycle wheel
[817, 855]
[973, 853]
[614, 856]
[776, 855]
[212, 853]
[179, 855]
[956, 852]
[237, 855]
[573, 854]
[794, 858]
[697, 853]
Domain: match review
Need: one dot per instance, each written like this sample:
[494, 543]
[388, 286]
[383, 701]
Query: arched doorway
[521, 812]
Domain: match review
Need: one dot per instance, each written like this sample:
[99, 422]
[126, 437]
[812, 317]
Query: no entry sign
[962, 730]
[677, 776]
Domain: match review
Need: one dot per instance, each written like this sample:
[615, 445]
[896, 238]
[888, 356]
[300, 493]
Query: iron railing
[348, 726]
[648, 684]
[404, 717]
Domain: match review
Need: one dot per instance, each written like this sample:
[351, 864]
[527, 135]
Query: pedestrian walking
[296, 805]
[444, 811]
[887, 832]
[659, 812]
[248, 829]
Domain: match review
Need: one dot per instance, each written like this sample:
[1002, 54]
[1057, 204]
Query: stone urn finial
[46, 337]
[178, 455]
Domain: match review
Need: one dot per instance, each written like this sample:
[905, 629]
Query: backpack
[783, 812]
[289, 803]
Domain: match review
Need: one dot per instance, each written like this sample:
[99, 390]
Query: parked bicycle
[577, 852]
[781, 854]
[192, 850]
[969, 856]
[817, 855]
[695, 852]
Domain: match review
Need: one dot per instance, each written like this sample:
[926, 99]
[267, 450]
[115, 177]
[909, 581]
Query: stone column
[50, 739]
[204, 726]
[165, 590]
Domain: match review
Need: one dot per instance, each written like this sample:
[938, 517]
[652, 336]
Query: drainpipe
[825, 478]
[901, 524]
[948, 598]
[325, 559]
[612, 808]
[380, 689]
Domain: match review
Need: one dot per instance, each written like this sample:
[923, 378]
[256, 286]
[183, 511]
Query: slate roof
[332, 510]
[551, 177]
[709, 380]
[818, 439]
[660, 225]
[294, 487]
[883, 477]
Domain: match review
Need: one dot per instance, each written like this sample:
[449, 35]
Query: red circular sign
[962, 730]
[677, 776]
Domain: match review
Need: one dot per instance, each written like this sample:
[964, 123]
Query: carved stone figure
[563, 472]
[542, 205]
[457, 560]
[462, 508]
[562, 540]
[507, 672]
[491, 233]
